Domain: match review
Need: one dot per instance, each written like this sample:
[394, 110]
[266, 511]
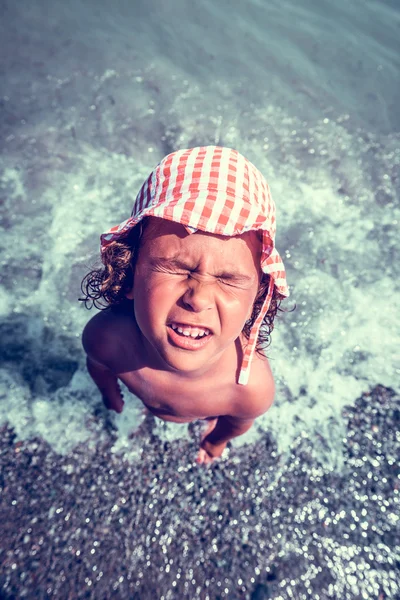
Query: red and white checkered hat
[219, 191]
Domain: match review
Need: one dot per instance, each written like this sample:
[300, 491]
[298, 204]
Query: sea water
[95, 94]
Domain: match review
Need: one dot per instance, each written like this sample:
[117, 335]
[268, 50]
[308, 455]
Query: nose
[198, 295]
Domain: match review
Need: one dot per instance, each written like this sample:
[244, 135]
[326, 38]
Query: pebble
[257, 525]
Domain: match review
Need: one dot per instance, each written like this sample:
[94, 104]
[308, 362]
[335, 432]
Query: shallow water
[93, 97]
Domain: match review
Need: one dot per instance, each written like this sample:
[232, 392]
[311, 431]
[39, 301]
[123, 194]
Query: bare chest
[174, 399]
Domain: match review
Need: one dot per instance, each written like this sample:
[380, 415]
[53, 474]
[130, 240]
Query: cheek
[163, 287]
[249, 305]
[237, 307]
[249, 311]
[155, 291]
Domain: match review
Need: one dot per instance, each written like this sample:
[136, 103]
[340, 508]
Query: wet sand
[256, 525]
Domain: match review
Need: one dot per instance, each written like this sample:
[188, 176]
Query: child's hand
[209, 452]
[116, 402]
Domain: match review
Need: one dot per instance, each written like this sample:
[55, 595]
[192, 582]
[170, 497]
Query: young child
[191, 285]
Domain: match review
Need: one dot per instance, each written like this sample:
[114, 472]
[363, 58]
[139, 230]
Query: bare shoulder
[108, 335]
[255, 398]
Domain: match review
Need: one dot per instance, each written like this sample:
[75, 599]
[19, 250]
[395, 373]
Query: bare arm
[103, 377]
[107, 383]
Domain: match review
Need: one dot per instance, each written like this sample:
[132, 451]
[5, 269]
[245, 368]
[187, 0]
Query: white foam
[5, 302]
[128, 423]
[62, 419]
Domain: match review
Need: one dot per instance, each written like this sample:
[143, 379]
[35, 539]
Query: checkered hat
[219, 191]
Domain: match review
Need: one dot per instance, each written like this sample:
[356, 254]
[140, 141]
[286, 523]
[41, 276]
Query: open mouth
[196, 333]
[188, 337]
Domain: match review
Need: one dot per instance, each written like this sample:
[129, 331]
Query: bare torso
[171, 396]
[176, 399]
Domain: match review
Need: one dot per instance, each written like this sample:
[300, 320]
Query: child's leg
[210, 425]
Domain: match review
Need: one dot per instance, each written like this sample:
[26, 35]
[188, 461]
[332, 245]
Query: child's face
[200, 283]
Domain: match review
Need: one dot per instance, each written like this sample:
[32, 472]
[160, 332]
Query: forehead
[168, 239]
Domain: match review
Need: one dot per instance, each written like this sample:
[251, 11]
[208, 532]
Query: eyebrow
[177, 263]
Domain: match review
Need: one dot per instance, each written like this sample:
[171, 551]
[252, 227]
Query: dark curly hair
[108, 285]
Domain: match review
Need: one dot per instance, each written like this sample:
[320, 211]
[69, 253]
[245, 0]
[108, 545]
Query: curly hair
[108, 285]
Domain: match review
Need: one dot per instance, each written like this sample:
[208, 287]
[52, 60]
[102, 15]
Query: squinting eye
[226, 282]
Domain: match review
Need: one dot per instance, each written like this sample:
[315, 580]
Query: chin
[184, 365]
[185, 361]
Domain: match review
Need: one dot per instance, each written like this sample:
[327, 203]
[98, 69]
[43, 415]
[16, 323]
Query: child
[191, 282]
